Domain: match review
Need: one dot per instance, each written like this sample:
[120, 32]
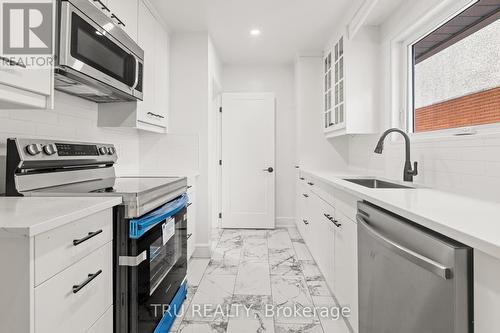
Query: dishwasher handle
[418, 259]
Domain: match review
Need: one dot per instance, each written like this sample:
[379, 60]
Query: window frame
[402, 74]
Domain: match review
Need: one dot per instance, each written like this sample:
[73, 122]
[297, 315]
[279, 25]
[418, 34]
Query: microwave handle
[136, 82]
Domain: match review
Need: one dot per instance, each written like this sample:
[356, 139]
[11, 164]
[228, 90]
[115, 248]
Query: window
[456, 71]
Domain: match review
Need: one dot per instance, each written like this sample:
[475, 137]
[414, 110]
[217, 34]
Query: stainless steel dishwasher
[411, 279]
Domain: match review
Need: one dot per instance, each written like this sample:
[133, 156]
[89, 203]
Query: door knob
[270, 170]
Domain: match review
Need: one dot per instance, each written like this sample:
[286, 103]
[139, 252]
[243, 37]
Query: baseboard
[285, 222]
[202, 251]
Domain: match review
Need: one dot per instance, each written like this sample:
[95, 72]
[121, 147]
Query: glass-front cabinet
[334, 87]
[327, 61]
[339, 83]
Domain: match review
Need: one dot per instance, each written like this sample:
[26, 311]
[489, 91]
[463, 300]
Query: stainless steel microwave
[95, 59]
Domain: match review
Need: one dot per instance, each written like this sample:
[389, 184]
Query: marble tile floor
[250, 274]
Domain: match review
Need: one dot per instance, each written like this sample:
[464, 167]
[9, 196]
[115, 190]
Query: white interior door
[248, 160]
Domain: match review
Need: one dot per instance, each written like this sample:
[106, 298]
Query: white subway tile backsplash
[73, 118]
[464, 165]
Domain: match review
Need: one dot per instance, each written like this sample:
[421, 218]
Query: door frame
[220, 196]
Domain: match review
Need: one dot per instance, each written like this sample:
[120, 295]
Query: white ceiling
[288, 26]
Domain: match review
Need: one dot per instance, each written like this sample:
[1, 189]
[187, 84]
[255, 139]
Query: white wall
[73, 119]
[464, 165]
[278, 80]
[186, 150]
[314, 151]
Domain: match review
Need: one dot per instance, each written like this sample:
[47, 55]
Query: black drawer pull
[305, 195]
[86, 238]
[302, 178]
[189, 235]
[189, 186]
[310, 183]
[80, 286]
[305, 222]
[189, 204]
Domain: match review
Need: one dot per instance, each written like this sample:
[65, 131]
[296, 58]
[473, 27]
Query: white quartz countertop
[30, 216]
[473, 222]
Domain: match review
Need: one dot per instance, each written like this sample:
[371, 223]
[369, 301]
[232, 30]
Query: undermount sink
[376, 183]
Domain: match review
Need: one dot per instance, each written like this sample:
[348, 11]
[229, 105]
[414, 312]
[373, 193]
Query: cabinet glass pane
[329, 59]
[336, 115]
[341, 113]
[341, 46]
[336, 72]
[341, 68]
[337, 101]
[336, 52]
[341, 91]
[329, 100]
[329, 80]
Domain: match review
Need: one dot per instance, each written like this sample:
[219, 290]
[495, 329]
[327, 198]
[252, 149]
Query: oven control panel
[36, 149]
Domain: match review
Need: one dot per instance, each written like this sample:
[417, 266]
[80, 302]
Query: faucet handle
[415, 168]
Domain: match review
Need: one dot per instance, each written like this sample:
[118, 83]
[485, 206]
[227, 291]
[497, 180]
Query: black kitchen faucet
[408, 172]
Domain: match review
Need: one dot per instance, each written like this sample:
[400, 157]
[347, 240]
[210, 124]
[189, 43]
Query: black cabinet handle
[189, 204]
[120, 22]
[78, 287]
[302, 178]
[270, 170]
[189, 235]
[334, 221]
[86, 238]
[310, 183]
[156, 115]
[189, 186]
[305, 222]
[103, 6]
[305, 195]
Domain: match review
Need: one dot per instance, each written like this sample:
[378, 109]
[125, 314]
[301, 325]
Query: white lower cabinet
[59, 307]
[331, 237]
[103, 324]
[60, 280]
[346, 266]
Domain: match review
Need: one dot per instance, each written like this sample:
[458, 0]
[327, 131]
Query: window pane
[457, 72]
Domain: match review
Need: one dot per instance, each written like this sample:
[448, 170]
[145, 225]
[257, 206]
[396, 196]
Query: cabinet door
[346, 266]
[325, 241]
[327, 88]
[22, 87]
[162, 75]
[147, 38]
[124, 13]
[304, 211]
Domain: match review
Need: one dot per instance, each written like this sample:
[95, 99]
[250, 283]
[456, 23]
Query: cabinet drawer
[59, 309]
[104, 324]
[59, 248]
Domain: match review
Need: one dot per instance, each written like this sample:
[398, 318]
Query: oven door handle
[132, 261]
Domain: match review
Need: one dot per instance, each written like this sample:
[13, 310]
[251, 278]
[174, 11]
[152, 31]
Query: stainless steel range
[150, 239]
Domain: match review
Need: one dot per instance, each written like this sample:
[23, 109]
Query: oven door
[90, 49]
[154, 283]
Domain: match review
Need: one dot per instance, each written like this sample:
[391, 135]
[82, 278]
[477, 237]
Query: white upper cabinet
[154, 40]
[150, 114]
[350, 78]
[124, 14]
[24, 87]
